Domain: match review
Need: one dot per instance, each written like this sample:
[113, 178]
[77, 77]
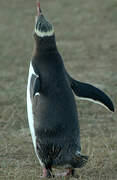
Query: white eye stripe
[43, 34]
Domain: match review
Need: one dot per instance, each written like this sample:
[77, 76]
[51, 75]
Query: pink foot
[47, 173]
[70, 172]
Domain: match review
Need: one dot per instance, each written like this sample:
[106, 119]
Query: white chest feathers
[30, 110]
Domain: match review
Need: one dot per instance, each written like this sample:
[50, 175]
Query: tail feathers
[79, 160]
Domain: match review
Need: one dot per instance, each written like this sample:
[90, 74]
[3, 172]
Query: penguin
[51, 107]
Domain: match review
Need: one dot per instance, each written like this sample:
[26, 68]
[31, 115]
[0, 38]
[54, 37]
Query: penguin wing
[35, 85]
[86, 91]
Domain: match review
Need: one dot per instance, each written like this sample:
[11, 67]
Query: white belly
[30, 111]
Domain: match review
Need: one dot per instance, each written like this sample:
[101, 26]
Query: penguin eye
[38, 24]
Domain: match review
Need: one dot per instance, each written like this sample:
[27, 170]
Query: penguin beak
[39, 12]
[39, 9]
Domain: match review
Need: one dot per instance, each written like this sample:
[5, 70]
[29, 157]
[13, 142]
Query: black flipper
[88, 92]
[35, 85]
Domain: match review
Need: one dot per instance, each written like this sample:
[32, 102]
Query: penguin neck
[44, 45]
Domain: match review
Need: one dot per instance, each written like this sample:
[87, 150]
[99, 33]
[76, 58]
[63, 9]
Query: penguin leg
[47, 173]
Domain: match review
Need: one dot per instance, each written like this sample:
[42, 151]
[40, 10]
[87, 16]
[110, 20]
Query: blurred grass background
[86, 33]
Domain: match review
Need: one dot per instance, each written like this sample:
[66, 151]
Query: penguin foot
[47, 173]
[70, 172]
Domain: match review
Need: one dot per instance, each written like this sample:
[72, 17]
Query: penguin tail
[79, 161]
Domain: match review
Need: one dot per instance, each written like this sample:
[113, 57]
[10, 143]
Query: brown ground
[86, 33]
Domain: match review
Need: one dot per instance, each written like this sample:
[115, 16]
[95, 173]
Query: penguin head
[42, 27]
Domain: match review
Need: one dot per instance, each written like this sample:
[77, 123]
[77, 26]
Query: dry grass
[86, 37]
